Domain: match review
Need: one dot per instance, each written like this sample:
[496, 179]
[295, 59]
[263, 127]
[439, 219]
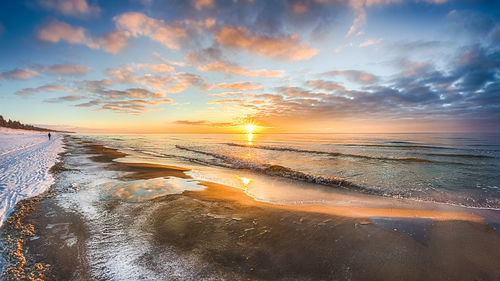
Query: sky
[212, 66]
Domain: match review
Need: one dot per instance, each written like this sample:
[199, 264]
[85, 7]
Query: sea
[456, 169]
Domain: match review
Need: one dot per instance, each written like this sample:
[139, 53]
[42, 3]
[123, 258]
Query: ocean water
[458, 169]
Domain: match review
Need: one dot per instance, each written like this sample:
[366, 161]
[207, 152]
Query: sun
[250, 128]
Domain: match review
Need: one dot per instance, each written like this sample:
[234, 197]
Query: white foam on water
[120, 246]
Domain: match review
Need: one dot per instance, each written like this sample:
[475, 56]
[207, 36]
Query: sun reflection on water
[245, 181]
[250, 138]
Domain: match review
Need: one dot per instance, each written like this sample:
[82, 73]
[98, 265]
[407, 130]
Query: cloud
[472, 23]
[325, 85]
[476, 67]
[204, 123]
[226, 101]
[161, 83]
[467, 91]
[56, 31]
[127, 25]
[359, 8]
[137, 24]
[173, 82]
[113, 42]
[160, 58]
[64, 99]
[229, 68]
[134, 107]
[204, 56]
[129, 93]
[124, 74]
[95, 84]
[369, 42]
[200, 4]
[70, 7]
[212, 60]
[418, 46]
[357, 76]
[209, 22]
[300, 8]
[279, 48]
[67, 69]
[412, 68]
[60, 69]
[185, 80]
[297, 92]
[45, 88]
[18, 74]
[495, 34]
[226, 94]
[130, 101]
[238, 86]
[90, 103]
[156, 67]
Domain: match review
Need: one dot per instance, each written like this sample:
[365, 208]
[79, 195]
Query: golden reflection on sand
[223, 192]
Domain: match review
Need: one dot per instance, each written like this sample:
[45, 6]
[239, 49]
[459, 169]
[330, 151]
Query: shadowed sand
[250, 240]
[266, 241]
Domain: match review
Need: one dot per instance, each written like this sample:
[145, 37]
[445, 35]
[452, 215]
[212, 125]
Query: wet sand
[243, 239]
[265, 241]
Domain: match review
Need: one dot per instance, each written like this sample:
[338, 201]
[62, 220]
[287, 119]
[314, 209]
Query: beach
[354, 140]
[109, 219]
[25, 160]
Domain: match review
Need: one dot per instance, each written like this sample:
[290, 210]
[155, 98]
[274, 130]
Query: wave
[401, 142]
[459, 155]
[277, 170]
[399, 146]
[335, 154]
[414, 159]
[189, 159]
[406, 145]
[285, 172]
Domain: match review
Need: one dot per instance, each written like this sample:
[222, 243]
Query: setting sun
[250, 128]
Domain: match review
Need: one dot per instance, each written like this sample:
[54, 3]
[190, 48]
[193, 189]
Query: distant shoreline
[17, 125]
[39, 130]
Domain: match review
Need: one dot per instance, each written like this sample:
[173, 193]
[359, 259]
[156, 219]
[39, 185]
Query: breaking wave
[334, 154]
[222, 160]
[276, 170]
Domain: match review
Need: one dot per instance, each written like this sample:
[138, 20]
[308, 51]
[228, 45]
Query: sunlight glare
[250, 128]
[245, 181]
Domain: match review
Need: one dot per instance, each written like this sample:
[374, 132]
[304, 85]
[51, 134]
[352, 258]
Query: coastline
[227, 234]
[26, 158]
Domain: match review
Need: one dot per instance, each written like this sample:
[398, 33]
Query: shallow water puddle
[494, 225]
[143, 190]
[413, 227]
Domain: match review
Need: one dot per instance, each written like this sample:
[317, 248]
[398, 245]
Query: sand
[243, 239]
[265, 241]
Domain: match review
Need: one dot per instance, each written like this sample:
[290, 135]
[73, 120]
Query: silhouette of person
[49, 135]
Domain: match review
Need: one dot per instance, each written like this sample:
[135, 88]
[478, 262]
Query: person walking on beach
[49, 135]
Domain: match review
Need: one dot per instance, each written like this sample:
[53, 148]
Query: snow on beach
[25, 160]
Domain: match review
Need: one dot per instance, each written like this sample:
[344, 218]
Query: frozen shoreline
[25, 160]
[116, 220]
